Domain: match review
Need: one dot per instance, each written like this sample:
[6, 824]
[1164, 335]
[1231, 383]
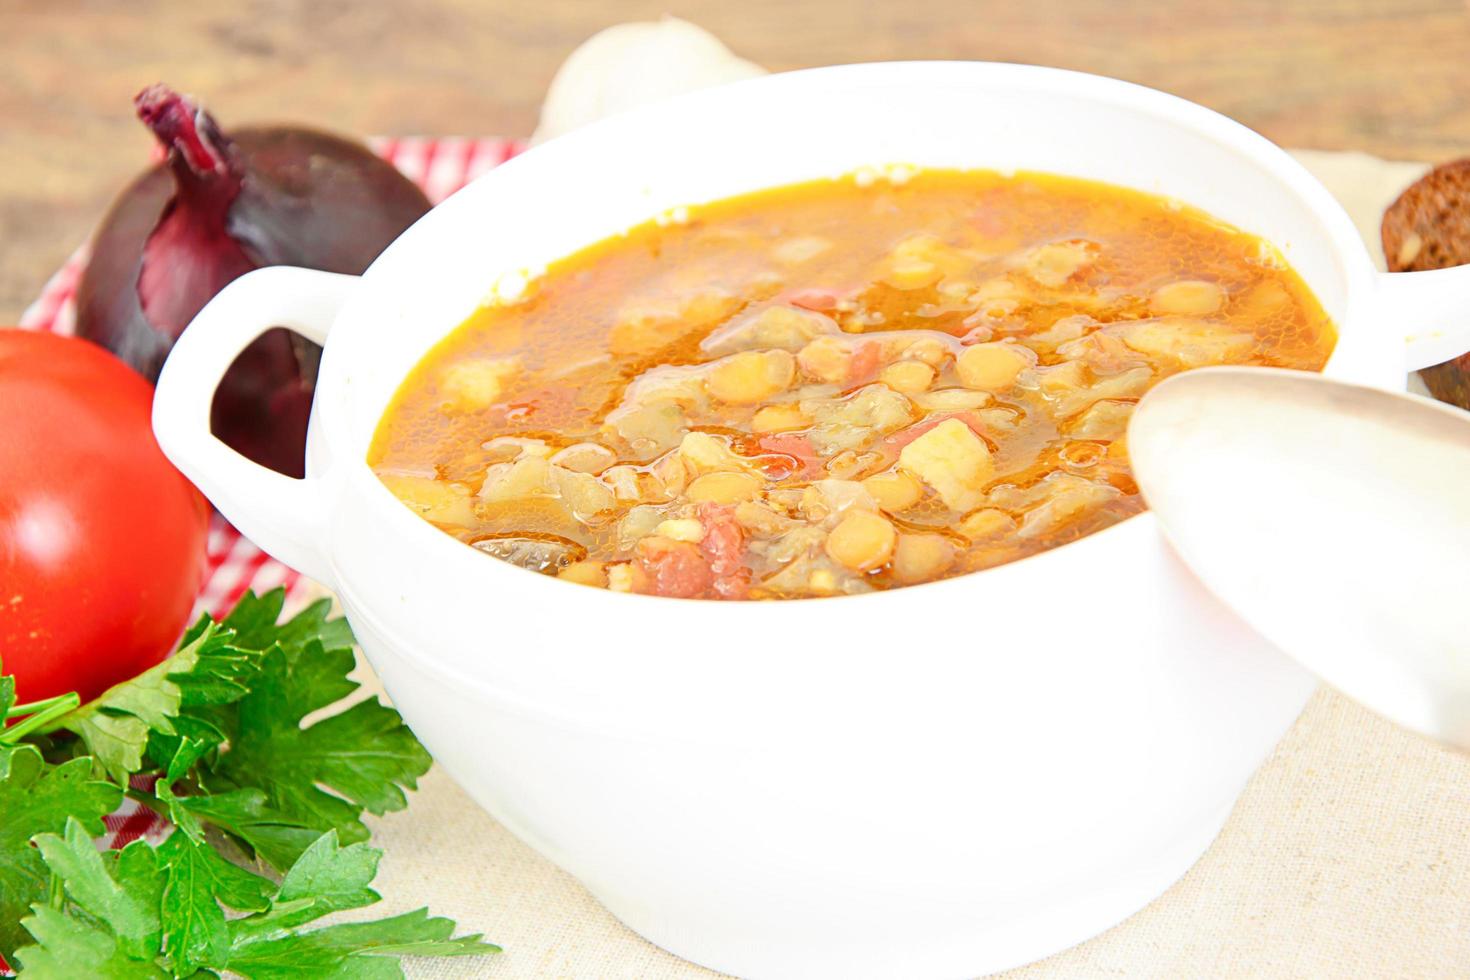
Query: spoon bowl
[1332, 517]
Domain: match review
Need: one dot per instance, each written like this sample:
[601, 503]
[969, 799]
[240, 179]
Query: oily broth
[735, 257]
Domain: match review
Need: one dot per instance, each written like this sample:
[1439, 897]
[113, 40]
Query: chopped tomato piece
[903, 437]
[777, 466]
[993, 216]
[796, 447]
[820, 300]
[990, 222]
[866, 360]
[724, 547]
[977, 334]
[509, 413]
[787, 443]
[674, 568]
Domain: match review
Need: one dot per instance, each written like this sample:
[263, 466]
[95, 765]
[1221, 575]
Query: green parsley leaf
[355, 950]
[365, 755]
[69, 947]
[34, 799]
[254, 622]
[189, 752]
[276, 786]
[215, 665]
[329, 878]
[222, 671]
[116, 726]
[125, 897]
[243, 812]
[156, 913]
[198, 879]
[221, 722]
[248, 815]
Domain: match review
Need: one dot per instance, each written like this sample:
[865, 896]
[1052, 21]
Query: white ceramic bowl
[938, 781]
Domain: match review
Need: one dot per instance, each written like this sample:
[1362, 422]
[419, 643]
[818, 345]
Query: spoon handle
[1433, 311]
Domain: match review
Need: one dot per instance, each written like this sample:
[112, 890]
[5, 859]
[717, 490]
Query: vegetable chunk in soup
[832, 387]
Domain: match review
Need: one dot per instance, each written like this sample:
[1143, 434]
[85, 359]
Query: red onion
[217, 207]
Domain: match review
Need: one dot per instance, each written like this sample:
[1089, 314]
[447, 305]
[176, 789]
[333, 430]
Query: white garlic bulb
[630, 64]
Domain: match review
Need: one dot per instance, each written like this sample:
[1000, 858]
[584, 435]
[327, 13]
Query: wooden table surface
[1386, 76]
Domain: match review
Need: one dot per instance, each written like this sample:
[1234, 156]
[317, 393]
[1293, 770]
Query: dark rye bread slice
[1428, 227]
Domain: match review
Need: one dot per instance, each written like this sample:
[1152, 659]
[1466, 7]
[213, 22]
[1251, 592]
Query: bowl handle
[285, 516]
[1433, 310]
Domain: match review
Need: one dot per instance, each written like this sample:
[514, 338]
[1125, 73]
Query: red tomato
[101, 539]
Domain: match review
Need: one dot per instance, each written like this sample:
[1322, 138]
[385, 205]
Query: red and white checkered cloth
[441, 167]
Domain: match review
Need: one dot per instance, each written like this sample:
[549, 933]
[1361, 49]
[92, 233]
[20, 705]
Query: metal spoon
[1332, 517]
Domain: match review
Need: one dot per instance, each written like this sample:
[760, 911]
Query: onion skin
[215, 209]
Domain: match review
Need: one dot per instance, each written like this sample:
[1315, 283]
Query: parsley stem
[57, 707]
[18, 710]
[147, 799]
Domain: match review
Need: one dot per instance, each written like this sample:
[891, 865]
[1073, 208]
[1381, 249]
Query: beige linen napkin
[1348, 855]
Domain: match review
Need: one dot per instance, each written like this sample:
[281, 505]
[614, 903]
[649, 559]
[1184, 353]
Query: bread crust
[1428, 227]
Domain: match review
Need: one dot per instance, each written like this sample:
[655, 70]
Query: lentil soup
[832, 387]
